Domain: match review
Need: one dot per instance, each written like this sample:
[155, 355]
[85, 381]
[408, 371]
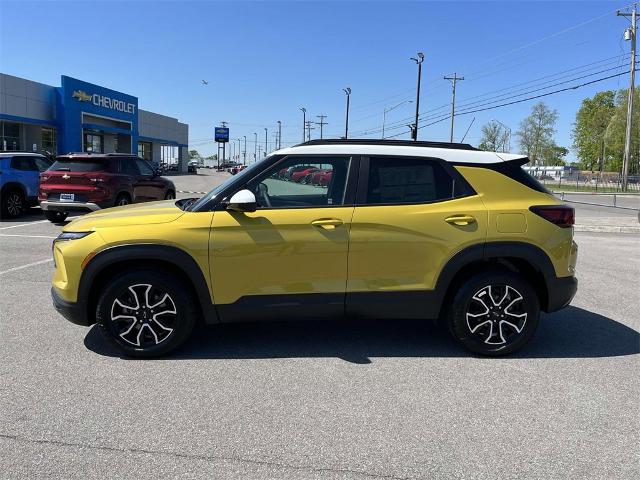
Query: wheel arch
[524, 258]
[171, 259]
[12, 185]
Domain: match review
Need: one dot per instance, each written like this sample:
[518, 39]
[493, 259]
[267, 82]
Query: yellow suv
[329, 228]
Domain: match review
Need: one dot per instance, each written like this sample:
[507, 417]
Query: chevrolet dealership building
[80, 117]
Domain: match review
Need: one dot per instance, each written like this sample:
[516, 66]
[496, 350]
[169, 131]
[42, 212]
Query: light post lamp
[304, 121]
[255, 147]
[244, 152]
[265, 141]
[386, 110]
[419, 60]
[347, 92]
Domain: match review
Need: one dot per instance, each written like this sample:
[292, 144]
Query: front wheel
[494, 313]
[145, 313]
[54, 216]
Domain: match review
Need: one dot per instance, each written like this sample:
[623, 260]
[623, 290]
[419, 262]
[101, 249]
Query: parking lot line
[23, 224]
[26, 266]
[25, 236]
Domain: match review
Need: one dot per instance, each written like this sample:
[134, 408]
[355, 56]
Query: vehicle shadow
[32, 214]
[570, 333]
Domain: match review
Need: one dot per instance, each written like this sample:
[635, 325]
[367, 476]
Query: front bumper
[561, 291]
[74, 312]
[68, 206]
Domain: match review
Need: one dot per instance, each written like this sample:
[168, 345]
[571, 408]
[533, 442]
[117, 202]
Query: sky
[265, 60]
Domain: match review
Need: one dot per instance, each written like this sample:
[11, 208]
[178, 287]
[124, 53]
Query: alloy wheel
[14, 204]
[496, 314]
[144, 315]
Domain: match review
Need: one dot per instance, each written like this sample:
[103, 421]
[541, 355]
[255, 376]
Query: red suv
[89, 182]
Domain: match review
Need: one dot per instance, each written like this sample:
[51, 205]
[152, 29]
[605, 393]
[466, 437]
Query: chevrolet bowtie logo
[66, 177]
[81, 96]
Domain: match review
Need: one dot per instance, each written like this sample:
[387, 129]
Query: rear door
[151, 184]
[411, 216]
[129, 168]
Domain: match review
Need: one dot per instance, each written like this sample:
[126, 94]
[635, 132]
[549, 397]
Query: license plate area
[67, 197]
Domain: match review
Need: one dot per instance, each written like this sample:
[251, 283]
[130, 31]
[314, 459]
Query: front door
[412, 216]
[150, 184]
[288, 259]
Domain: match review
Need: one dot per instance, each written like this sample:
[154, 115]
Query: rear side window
[23, 163]
[513, 169]
[79, 165]
[401, 180]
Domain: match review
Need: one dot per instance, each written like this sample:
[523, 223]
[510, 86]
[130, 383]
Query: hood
[137, 214]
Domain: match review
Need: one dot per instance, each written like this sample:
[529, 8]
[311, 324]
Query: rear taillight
[561, 215]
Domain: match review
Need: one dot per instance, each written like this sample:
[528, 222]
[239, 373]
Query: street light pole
[265, 142]
[244, 153]
[419, 60]
[239, 148]
[384, 113]
[255, 148]
[279, 135]
[347, 91]
[304, 122]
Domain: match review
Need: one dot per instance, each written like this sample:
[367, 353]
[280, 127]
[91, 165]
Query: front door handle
[460, 220]
[327, 223]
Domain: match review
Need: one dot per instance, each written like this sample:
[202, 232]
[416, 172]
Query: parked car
[19, 181]
[192, 166]
[89, 182]
[407, 229]
[300, 175]
[238, 169]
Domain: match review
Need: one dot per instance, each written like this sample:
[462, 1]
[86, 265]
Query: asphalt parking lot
[351, 400]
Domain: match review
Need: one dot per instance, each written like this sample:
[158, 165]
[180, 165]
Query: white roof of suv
[450, 152]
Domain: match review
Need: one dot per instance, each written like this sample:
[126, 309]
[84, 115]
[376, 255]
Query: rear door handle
[460, 219]
[327, 223]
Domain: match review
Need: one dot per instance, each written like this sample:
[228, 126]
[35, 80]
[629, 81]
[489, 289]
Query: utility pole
[419, 60]
[265, 141]
[279, 135]
[322, 123]
[629, 34]
[244, 153]
[304, 122]
[454, 80]
[309, 128]
[347, 92]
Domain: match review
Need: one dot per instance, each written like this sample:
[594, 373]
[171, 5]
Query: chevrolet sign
[104, 101]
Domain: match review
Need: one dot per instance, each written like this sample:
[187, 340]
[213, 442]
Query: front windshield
[238, 178]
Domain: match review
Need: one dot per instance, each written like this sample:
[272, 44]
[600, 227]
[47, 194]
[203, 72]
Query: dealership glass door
[93, 142]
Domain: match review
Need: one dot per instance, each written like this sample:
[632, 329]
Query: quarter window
[407, 180]
[303, 182]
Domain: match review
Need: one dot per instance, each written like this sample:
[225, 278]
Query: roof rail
[395, 143]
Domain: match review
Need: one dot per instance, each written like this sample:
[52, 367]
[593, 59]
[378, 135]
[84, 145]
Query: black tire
[144, 332]
[13, 203]
[511, 316]
[55, 216]
[170, 195]
[122, 199]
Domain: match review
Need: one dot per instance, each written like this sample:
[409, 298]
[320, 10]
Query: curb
[606, 229]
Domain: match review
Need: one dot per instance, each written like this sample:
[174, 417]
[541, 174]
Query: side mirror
[242, 201]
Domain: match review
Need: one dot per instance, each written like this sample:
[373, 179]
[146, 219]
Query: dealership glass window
[93, 143]
[49, 143]
[144, 150]
[10, 136]
[407, 180]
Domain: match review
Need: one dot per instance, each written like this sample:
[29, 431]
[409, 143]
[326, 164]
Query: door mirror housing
[242, 201]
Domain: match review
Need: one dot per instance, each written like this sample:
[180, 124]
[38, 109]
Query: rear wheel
[12, 203]
[170, 195]
[494, 313]
[145, 313]
[55, 217]
[122, 199]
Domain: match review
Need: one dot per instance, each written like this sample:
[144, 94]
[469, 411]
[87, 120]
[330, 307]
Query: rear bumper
[68, 206]
[74, 312]
[561, 291]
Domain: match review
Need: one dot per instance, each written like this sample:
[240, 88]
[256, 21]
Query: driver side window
[299, 182]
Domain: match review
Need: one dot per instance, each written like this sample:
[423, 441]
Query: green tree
[494, 137]
[590, 130]
[554, 155]
[536, 132]
[193, 154]
[616, 133]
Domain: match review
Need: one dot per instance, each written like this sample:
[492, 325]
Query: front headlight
[71, 236]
